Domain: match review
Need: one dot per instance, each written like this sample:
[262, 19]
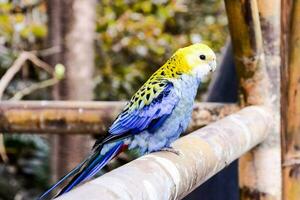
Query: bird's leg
[171, 149]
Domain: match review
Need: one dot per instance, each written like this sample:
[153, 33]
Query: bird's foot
[172, 150]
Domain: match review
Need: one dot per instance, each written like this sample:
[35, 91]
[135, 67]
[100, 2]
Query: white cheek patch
[202, 71]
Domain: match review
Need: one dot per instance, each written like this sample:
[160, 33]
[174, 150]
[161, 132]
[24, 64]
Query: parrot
[154, 117]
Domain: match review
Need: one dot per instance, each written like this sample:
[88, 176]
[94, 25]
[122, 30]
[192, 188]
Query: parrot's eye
[202, 57]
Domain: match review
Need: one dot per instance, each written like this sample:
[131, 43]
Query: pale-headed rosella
[155, 116]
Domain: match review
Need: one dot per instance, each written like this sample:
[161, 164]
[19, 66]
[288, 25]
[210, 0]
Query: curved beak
[212, 65]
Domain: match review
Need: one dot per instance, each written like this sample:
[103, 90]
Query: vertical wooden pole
[291, 135]
[248, 50]
[260, 169]
[270, 13]
[54, 40]
[286, 9]
[71, 26]
[78, 56]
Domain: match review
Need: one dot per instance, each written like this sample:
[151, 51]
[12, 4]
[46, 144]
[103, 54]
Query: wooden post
[291, 134]
[260, 169]
[248, 50]
[270, 163]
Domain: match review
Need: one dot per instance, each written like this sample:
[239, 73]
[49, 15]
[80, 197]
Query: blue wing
[148, 117]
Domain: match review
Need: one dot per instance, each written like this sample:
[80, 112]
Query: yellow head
[197, 59]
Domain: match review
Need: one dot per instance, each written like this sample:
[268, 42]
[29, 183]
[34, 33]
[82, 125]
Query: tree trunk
[71, 26]
[291, 134]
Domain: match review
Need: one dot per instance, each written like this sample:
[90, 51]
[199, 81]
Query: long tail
[85, 170]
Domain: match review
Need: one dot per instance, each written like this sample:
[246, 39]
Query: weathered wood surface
[75, 117]
[164, 175]
[291, 131]
[248, 50]
[255, 30]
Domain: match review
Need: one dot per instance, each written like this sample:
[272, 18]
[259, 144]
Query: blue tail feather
[85, 170]
[70, 174]
[93, 167]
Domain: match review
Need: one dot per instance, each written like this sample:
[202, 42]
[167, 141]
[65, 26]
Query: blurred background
[87, 50]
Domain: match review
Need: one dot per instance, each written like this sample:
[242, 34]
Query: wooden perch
[71, 117]
[164, 175]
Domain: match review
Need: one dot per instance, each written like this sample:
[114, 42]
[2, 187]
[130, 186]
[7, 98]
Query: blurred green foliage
[23, 27]
[27, 172]
[20, 30]
[133, 38]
